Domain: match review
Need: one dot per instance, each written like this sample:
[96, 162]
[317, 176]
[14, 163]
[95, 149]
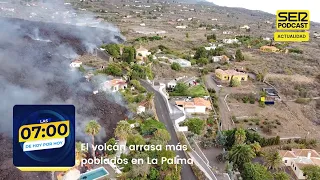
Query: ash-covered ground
[34, 69]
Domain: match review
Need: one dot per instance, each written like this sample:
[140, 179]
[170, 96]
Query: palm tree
[273, 159]
[149, 99]
[240, 136]
[123, 130]
[240, 154]
[92, 128]
[256, 147]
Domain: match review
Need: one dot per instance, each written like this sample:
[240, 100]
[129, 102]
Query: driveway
[164, 116]
[225, 115]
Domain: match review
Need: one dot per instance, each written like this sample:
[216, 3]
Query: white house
[222, 58]
[212, 46]
[296, 159]
[141, 109]
[171, 84]
[245, 27]
[266, 39]
[227, 32]
[195, 105]
[181, 27]
[230, 41]
[114, 85]
[181, 62]
[142, 53]
[76, 64]
[142, 24]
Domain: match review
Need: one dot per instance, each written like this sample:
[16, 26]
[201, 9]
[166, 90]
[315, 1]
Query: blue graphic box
[38, 114]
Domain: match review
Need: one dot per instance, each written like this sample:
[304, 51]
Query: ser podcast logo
[295, 23]
[43, 137]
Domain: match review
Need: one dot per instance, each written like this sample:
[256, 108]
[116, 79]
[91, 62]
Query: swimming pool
[94, 174]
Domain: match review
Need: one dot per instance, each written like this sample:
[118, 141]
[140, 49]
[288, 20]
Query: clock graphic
[43, 136]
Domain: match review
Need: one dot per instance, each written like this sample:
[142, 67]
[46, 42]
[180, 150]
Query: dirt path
[225, 115]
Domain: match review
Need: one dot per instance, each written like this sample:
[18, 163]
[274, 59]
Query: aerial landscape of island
[177, 73]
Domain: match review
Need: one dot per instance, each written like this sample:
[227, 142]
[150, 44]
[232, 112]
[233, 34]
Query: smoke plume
[37, 43]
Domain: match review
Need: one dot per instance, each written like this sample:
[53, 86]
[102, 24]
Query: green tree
[141, 169]
[162, 135]
[154, 174]
[255, 171]
[113, 69]
[149, 99]
[136, 139]
[272, 159]
[111, 142]
[281, 176]
[193, 62]
[149, 126]
[139, 98]
[256, 147]
[92, 128]
[240, 154]
[128, 54]
[312, 172]
[221, 139]
[234, 82]
[167, 154]
[181, 88]
[187, 35]
[203, 61]
[123, 130]
[239, 56]
[175, 66]
[112, 49]
[212, 38]
[201, 52]
[240, 136]
[195, 125]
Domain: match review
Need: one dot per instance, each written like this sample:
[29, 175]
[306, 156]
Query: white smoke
[35, 52]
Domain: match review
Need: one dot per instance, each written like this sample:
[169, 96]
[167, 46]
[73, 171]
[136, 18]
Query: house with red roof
[114, 85]
[195, 105]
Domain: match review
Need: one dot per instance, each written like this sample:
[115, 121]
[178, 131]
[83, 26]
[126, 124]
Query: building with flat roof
[228, 75]
[181, 62]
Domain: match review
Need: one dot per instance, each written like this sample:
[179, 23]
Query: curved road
[164, 116]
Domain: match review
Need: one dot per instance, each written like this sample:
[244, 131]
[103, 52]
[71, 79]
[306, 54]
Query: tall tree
[239, 55]
[256, 147]
[201, 52]
[149, 99]
[129, 54]
[123, 130]
[240, 154]
[92, 128]
[312, 172]
[255, 171]
[221, 139]
[162, 135]
[240, 136]
[181, 88]
[272, 159]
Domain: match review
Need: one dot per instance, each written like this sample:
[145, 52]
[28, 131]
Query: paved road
[225, 114]
[164, 116]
